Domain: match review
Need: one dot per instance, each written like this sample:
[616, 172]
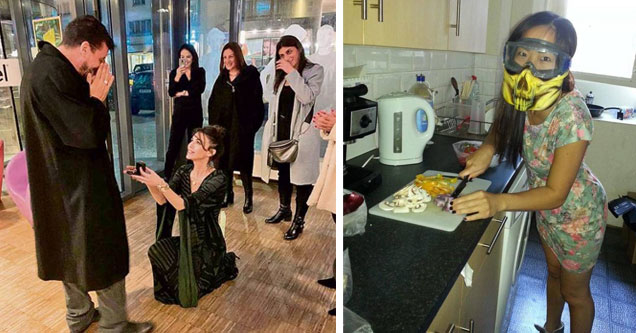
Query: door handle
[470, 329]
[494, 239]
[457, 20]
[362, 3]
[380, 8]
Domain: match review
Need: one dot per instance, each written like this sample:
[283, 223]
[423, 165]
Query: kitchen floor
[613, 287]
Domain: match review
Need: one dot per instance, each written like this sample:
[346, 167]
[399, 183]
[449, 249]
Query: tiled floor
[613, 288]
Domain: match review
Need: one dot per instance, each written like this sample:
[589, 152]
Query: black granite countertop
[402, 272]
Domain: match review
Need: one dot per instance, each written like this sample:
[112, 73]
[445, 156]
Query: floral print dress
[575, 230]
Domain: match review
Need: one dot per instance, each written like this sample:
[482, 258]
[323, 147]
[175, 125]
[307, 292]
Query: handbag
[283, 151]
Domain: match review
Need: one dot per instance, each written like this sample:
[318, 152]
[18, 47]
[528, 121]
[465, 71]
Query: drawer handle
[470, 329]
[380, 7]
[457, 20]
[362, 3]
[494, 239]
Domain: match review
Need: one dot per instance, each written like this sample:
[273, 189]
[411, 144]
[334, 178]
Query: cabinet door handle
[457, 20]
[380, 7]
[494, 239]
[470, 329]
[363, 4]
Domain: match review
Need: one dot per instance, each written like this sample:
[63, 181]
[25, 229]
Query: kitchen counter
[403, 272]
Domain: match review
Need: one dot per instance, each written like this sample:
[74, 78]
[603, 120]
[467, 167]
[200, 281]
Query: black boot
[283, 213]
[229, 195]
[229, 198]
[249, 192]
[296, 228]
[329, 283]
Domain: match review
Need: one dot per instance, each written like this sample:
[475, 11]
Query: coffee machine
[360, 120]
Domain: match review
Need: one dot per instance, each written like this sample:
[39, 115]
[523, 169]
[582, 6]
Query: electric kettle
[406, 122]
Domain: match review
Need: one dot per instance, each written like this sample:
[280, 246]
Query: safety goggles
[544, 59]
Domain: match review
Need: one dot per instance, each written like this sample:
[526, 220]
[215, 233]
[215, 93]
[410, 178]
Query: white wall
[393, 69]
[612, 158]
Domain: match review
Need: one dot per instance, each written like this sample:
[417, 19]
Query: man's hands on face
[100, 82]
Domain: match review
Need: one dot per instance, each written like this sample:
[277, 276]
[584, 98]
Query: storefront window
[9, 96]
[265, 21]
[208, 36]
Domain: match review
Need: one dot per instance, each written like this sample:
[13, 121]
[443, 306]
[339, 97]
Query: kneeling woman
[188, 267]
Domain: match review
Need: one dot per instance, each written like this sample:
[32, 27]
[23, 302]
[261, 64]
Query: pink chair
[1, 166]
[17, 182]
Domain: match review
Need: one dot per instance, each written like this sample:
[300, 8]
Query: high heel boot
[246, 179]
[284, 211]
[229, 194]
[296, 228]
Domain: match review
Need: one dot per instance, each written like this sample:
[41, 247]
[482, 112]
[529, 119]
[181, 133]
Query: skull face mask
[526, 92]
[534, 72]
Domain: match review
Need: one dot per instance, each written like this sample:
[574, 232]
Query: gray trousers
[112, 307]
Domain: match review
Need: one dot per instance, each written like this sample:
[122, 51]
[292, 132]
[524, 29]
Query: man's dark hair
[87, 28]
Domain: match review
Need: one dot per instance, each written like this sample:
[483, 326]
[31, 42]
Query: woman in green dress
[544, 120]
[187, 267]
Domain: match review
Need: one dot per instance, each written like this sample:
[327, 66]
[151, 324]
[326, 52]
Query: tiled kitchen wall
[393, 69]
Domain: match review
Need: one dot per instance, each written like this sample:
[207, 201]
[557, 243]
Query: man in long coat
[78, 216]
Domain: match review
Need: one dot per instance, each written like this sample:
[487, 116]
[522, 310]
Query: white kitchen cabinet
[477, 303]
[448, 313]
[468, 25]
[419, 24]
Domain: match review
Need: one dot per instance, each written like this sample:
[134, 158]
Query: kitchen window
[606, 45]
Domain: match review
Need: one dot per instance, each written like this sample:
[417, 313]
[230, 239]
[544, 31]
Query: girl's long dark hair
[238, 55]
[509, 123]
[215, 134]
[195, 56]
[290, 41]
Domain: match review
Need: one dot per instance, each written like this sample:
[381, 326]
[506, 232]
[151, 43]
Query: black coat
[78, 216]
[238, 106]
[188, 108]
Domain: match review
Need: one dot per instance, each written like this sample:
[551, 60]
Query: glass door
[209, 32]
[22, 24]
[146, 124]
[9, 96]
[312, 22]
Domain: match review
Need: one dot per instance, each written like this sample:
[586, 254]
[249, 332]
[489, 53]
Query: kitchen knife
[459, 187]
[454, 83]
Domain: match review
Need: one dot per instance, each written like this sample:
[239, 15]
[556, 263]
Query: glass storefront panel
[9, 96]
[46, 21]
[139, 44]
[265, 21]
[209, 32]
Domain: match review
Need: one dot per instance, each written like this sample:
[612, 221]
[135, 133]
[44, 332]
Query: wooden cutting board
[433, 216]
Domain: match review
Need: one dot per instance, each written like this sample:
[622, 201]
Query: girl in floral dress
[544, 120]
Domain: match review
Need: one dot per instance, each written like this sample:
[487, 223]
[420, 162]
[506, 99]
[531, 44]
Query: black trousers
[246, 178]
[285, 188]
[184, 122]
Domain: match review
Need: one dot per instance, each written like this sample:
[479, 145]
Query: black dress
[188, 112]
[197, 263]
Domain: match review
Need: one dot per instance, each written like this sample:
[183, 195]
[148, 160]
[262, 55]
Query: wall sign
[10, 75]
